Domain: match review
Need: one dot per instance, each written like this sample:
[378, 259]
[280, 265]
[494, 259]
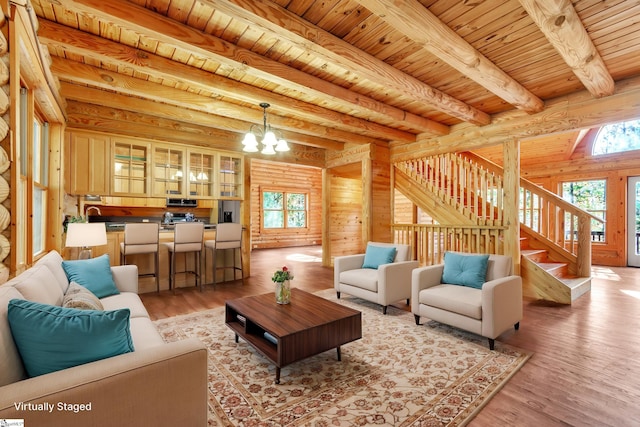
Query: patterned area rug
[398, 374]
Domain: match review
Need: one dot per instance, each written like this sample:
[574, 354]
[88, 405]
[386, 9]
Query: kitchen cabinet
[230, 177]
[130, 173]
[147, 171]
[168, 167]
[89, 164]
[201, 174]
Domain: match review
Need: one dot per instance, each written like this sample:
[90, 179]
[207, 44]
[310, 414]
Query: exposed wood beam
[87, 96]
[88, 75]
[412, 19]
[120, 122]
[567, 113]
[143, 21]
[125, 57]
[560, 23]
[308, 37]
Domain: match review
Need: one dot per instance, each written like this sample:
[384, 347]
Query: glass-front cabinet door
[201, 176]
[130, 168]
[230, 177]
[168, 171]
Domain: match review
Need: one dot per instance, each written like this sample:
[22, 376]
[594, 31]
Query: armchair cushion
[465, 270]
[463, 300]
[365, 278]
[377, 255]
[50, 338]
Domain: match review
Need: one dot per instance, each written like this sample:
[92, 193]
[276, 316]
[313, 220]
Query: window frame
[284, 209]
[601, 235]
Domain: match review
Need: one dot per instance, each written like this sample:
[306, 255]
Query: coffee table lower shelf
[285, 334]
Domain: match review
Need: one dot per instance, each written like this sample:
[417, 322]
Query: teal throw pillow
[51, 338]
[465, 270]
[375, 256]
[94, 274]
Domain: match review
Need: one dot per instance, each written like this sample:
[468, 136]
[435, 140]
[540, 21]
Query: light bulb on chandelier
[270, 142]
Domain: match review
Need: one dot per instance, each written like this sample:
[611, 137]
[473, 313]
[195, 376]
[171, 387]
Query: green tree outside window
[284, 210]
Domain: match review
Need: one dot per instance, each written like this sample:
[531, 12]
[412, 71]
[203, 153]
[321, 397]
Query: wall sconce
[270, 143]
[84, 235]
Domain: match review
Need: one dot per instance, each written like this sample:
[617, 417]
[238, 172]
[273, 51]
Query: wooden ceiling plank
[419, 24]
[106, 51]
[174, 34]
[325, 45]
[561, 25]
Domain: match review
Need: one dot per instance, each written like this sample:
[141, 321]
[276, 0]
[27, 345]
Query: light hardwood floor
[584, 371]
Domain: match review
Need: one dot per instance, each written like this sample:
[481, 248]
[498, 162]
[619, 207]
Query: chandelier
[270, 142]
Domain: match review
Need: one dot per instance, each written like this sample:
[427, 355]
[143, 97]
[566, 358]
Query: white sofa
[383, 285]
[489, 311]
[157, 384]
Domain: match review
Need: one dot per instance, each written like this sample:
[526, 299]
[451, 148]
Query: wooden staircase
[547, 279]
[466, 190]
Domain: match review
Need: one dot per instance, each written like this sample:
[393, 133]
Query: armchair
[488, 311]
[381, 275]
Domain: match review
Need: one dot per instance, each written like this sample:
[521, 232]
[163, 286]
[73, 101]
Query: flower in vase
[282, 275]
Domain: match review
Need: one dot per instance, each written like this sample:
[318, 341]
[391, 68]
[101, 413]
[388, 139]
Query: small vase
[283, 292]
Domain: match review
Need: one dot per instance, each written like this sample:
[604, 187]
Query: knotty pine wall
[268, 175]
[345, 229]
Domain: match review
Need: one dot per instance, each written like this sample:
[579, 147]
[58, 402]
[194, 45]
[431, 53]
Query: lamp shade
[84, 234]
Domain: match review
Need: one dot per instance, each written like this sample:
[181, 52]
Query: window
[284, 210]
[40, 160]
[617, 137]
[590, 196]
[34, 177]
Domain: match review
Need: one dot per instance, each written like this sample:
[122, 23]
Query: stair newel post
[584, 246]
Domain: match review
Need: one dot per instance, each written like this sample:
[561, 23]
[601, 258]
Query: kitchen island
[115, 235]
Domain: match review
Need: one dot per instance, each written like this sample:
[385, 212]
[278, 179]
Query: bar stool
[228, 236]
[142, 238]
[187, 238]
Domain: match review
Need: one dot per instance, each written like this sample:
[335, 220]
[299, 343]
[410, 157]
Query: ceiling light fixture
[270, 142]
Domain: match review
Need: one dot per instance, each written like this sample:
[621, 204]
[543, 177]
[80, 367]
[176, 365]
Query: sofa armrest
[501, 305]
[126, 277]
[423, 278]
[394, 281]
[163, 385]
[344, 263]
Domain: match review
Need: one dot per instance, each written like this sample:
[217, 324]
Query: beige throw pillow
[77, 296]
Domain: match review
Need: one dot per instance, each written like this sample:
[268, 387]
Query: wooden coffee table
[286, 333]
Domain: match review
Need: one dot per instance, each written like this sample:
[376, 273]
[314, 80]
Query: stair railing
[430, 241]
[473, 185]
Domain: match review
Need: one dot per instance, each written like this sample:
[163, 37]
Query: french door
[633, 221]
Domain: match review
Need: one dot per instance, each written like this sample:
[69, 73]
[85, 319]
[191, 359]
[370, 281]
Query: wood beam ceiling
[412, 19]
[88, 96]
[567, 113]
[560, 23]
[271, 18]
[122, 57]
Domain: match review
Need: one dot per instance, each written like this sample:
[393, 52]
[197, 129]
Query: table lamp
[84, 235]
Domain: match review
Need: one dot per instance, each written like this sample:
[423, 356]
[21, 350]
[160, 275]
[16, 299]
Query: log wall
[274, 176]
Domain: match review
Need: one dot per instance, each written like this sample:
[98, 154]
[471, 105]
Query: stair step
[557, 269]
[535, 255]
[578, 285]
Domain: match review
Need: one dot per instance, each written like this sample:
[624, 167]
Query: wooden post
[367, 200]
[511, 155]
[326, 218]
